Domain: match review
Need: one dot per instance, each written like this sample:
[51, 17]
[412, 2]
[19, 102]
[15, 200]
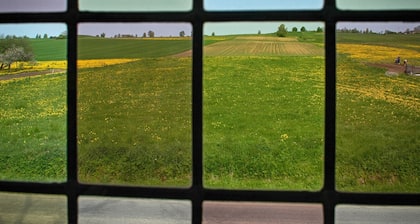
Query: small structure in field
[412, 70]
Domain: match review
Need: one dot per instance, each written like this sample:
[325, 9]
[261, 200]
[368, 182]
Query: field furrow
[268, 46]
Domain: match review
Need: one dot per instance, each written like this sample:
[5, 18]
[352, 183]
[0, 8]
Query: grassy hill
[107, 48]
[102, 48]
[49, 49]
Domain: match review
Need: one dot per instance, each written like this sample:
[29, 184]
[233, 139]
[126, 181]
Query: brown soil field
[262, 46]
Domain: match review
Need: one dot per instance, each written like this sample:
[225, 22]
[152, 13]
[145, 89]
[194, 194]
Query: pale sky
[186, 5]
[173, 29]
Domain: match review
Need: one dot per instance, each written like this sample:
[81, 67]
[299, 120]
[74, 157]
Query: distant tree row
[150, 33]
[282, 30]
[38, 36]
[369, 31]
[354, 30]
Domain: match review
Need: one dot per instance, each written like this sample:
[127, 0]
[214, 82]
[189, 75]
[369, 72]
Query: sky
[173, 29]
[186, 5]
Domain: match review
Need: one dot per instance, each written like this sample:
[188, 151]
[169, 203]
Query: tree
[294, 29]
[103, 35]
[259, 32]
[213, 34]
[14, 54]
[151, 33]
[182, 34]
[319, 30]
[144, 35]
[63, 35]
[302, 29]
[45, 36]
[282, 31]
[14, 50]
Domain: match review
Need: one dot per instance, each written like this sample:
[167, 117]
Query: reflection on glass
[33, 106]
[34, 6]
[233, 5]
[135, 5]
[252, 212]
[263, 107]
[134, 105]
[363, 214]
[377, 107]
[126, 210]
[32, 208]
[378, 4]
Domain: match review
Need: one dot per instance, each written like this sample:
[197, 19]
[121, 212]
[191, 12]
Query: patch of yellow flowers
[375, 53]
[94, 63]
[62, 64]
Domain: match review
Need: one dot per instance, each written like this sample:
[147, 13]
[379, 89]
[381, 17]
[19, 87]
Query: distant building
[417, 29]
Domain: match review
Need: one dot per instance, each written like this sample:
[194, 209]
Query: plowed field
[262, 46]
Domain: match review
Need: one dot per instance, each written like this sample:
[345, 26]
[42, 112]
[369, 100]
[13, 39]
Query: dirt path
[28, 74]
[390, 67]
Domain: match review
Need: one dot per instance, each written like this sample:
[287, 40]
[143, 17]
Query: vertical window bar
[329, 200]
[72, 185]
[197, 110]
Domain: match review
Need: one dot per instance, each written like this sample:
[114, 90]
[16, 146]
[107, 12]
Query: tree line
[149, 34]
[282, 30]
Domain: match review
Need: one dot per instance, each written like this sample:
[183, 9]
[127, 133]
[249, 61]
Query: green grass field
[263, 116]
[378, 146]
[263, 124]
[33, 133]
[103, 48]
[136, 130]
[49, 49]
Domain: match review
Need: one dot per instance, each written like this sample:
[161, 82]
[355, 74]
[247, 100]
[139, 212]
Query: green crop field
[263, 115]
[105, 48]
[49, 49]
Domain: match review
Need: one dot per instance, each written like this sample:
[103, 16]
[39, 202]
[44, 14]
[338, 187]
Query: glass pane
[34, 6]
[363, 214]
[33, 105]
[263, 105]
[378, 107]
[252, 212]
[378, 4]
[135, 5]
[134, 104]
[233, 5]
[125, 210]
[32, 208]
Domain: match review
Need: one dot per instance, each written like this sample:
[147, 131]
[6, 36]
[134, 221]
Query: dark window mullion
[197, 113]
[72, 184]
[329, 193]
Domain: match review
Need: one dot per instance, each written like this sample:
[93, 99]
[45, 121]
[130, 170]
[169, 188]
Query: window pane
[32, 208]
[34, 6]
[378, 4]
[126, 210]
[378, 108]
[33, 106]
[135, 5]
[233, 5]
[252, 212]
[263, 106]
[134, 104]
[363, 214]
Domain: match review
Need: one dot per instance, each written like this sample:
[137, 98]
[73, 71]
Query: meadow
[263, 124]
[378, 147]
[263, 114]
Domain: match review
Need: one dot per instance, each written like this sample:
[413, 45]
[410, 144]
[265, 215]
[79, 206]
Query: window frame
[328, 196]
